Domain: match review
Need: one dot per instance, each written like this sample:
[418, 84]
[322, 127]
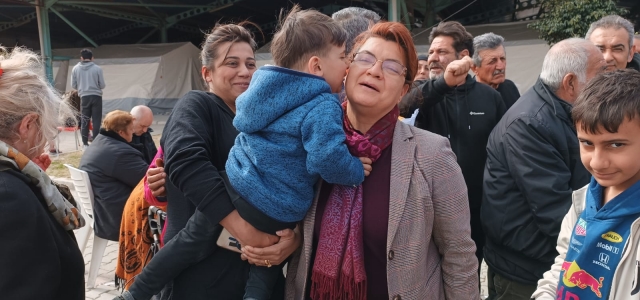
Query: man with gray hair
[490, 65]
[142, 140]
[613, 35]
[533, 166]
[355, 20]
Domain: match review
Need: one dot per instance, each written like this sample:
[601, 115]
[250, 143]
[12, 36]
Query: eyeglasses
[368, 60]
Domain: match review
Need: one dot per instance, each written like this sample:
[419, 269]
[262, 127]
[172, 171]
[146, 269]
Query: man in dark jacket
[490, 65]
[533, 166]
[613, 35]
[142, 140]
[459, 108]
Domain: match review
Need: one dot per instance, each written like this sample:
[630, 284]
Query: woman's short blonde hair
[24, 89]
[117, 120]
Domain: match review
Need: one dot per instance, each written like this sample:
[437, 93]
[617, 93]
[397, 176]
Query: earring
[25, 141]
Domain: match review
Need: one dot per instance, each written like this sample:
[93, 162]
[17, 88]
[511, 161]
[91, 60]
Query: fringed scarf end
[324, 287]
[120, 283]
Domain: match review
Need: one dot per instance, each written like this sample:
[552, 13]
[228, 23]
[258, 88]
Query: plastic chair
[85, 194]
[76, 134]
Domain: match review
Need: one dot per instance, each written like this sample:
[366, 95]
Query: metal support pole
[45, 38]
[86, 37]
[151, 10]
[430, 15]
[163, 35]
[393, 10]
[405, 14]
[144, 38]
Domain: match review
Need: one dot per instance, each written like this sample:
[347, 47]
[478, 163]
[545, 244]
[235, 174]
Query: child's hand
[366, 164]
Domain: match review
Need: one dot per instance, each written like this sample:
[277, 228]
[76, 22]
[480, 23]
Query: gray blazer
[430, 251]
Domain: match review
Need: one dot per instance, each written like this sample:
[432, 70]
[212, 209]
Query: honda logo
[604, 258]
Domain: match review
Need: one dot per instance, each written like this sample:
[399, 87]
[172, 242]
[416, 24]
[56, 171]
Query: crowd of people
[370, 171]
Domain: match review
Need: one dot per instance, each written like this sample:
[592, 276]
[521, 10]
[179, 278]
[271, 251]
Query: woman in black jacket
[39, 256]
[115, 167]
[196, 141]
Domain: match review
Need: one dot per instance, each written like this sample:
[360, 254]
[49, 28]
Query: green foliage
[562, 19]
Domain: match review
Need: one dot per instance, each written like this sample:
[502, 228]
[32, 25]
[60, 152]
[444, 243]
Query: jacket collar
[403, 150]
[635, 62]
[465, 87]
[561, 108]
[218, 101]
[114, 135]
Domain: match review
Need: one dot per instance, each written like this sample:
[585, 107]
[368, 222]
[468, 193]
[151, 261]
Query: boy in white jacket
[599, 237]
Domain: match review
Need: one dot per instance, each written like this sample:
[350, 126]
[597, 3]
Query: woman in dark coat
[115, 167]
[196, 141]
[39, 255]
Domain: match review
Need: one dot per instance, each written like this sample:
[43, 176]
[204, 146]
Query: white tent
[156, 75]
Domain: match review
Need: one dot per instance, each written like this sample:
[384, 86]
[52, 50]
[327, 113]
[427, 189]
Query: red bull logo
[574, 276]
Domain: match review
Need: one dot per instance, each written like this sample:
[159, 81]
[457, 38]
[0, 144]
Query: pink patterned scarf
[338, 269]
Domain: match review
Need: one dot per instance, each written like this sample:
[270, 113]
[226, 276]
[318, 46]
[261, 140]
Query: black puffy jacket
[115, 167]
[533, 166]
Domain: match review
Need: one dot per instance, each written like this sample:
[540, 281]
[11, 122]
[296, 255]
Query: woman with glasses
[404, 233]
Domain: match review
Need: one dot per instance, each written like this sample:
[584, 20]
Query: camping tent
[525, 51]
[156, 75]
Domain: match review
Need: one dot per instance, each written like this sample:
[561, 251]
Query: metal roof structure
[85, 23]
[50, 24]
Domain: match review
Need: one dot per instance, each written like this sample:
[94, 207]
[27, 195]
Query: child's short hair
[303, 34]
[607, 100]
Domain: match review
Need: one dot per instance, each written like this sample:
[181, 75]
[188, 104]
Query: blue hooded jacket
[290, 135]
